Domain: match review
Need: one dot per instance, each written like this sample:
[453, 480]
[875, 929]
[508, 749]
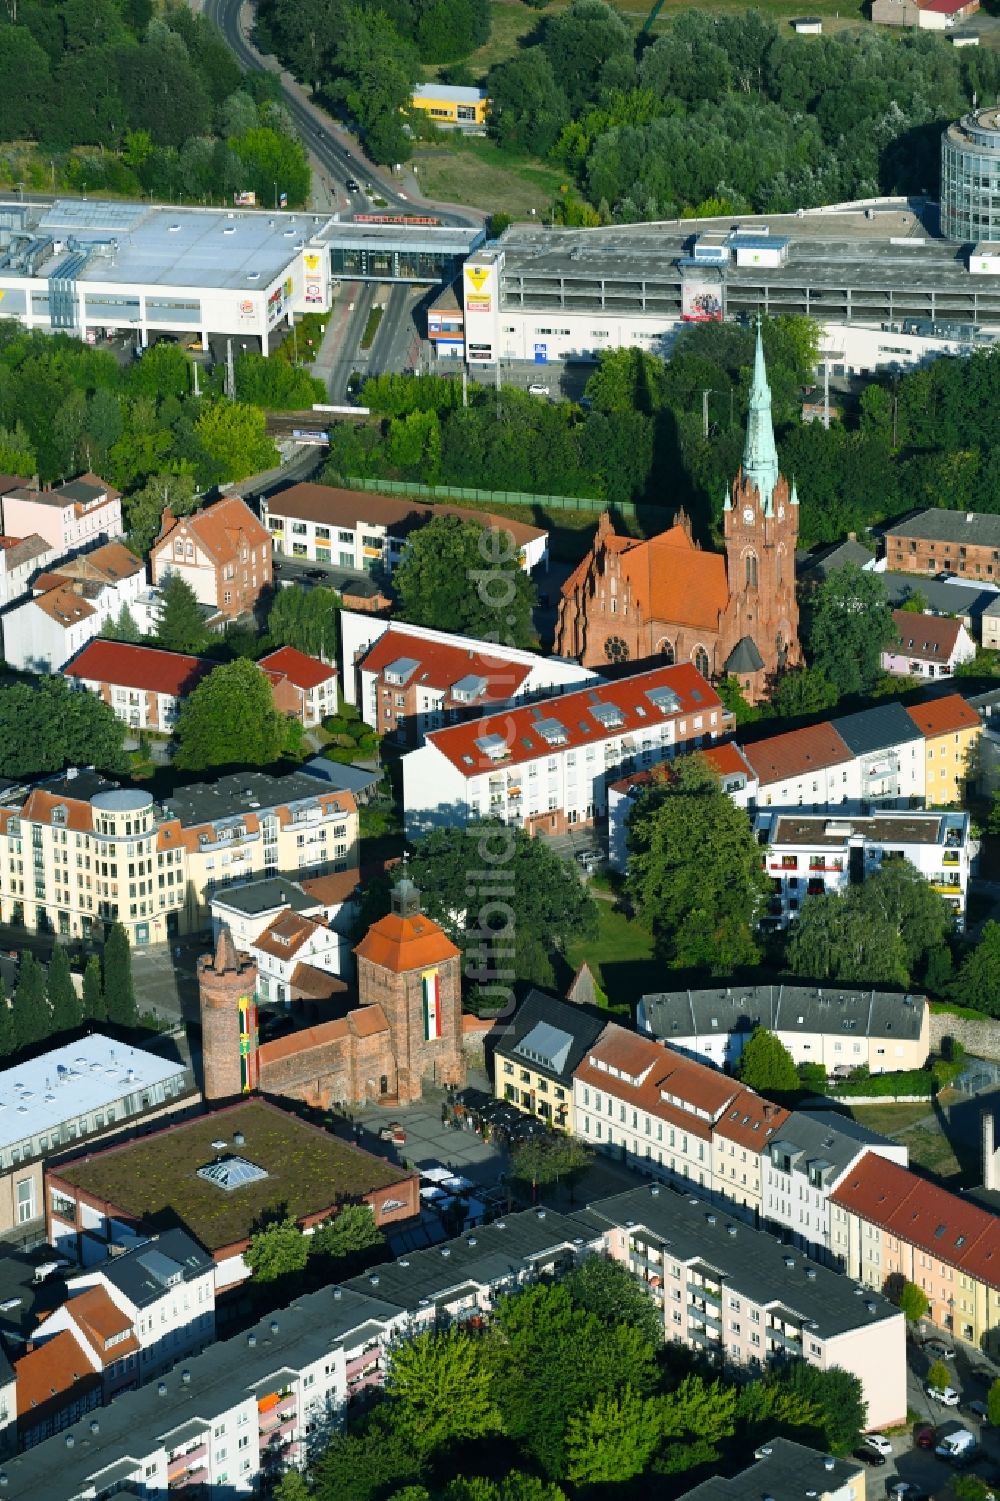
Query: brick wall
[982, 1039]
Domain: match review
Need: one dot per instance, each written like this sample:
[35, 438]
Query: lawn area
[930, 1149]
[621, 958]
[889, 1120]
[476, 172]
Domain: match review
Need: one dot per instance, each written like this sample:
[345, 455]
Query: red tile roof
[222, 529]
[64, 606]
[574, 712]
[305, 672]
[331, 506]
[750, 1121]
[50, 1372]
[930, 638]
[939, 1223]
[442, 664]
[405, 943]
[100, 1319]
[942, 716]
[669, 1085]
[797, 752]
[143, 667]
[726, 759]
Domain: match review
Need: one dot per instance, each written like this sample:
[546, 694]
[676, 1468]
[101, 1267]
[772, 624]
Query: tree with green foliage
[613, 1440]
[441, 1391]
[731, 693]
[277, 1249]
[694, 870]
[913, 1302]
[267, 157]
[144, 507]
[292, 1487]
[977, 983]
[549, 1158]
[306, 619]
[766, 1065]
[45, 725]
[350, 1236]
[234, 434]
[64, 1003]
[119, 991]
[850, 626]
[939, 1376]
[16, 453]
[458, 576]
[181, 624]
[514, 1486]
[876, 932]
[838, 1396]
[122, 627]
[544, 905]
[970, 1488]
[696, 1412]
[368, 1462]
[375, 70]
[230, 719]
[993, 1404]
[31, 1014]
[92, 1004]
[529, 109]
[8, 1032]
[609, 1290]
[276, 385]
[802, 693]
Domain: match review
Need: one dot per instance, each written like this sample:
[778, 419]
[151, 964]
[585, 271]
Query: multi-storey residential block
[805, 1161]
[223, 552]
[77, 851]
[302, 686]
[407, 679]
[55, 1385]
[72, 1094]
[812, 767]
[70, 517]
[735, 775]
[228, 1419]
[537, 1053]
[143, 685]
[249, 909]
[20, 559]
[138, 1313]
[737, 1295]
[952, 732]
[889, 1227]
[935, 540]
[546, 768]
[70, 605]
[786, 1471]
[929, 646]
[365, 532]
[841, 1029]
[810, 856]
[215, 1175]
[889, 756]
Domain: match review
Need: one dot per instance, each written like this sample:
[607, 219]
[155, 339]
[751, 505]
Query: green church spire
[760, 457]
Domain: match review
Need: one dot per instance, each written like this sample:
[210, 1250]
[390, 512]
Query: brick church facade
[405, 1032]
[727, 613]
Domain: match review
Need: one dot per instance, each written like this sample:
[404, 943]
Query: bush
[921, 1082]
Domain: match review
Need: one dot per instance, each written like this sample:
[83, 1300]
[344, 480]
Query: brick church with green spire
[667, 599]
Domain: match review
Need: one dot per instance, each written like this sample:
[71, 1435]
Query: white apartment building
[365, 532]
[71, 517]
[77, 851]
[244, 1409]
[288, 950]
[407, 680]
[812, 855]
[20, 559]
[250, 908]
[735, 1295]
[69, 607]
[546, 767]
[138, 1313]
[804, 1163]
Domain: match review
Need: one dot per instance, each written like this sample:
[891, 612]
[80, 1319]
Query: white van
[954, 1444]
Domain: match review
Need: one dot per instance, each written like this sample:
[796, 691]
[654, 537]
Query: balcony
[792, 1341]
[182, 1463]
[363, 1362]
[197, 1476]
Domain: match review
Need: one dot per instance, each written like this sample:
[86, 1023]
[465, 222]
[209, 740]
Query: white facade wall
[274, 976]
[358, 548]
[656, 1147]
[621, 802]
[61, 527]
[34, 642]
[195, 568]
[15, 579]
[799, 1201]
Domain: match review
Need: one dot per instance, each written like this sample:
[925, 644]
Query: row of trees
[342, 1246]
[160, 99]
[45, 1003]
[569, 1386]
[67, 407]
[723, 114]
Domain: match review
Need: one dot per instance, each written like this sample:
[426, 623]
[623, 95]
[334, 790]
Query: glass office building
[970, 178]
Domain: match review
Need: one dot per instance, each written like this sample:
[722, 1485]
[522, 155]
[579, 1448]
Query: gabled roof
[744, 656]
[143, 1278]
[550, 1035]
[935, 524]
[669, 578]
[943, 716]
[796, 753]
[286, 934]
[929, 638]
[20, 550]
[64, 606]
[147, 668]
[350, 508]
[47, 1375]
[642, 1072]
[305, 672]
[831, 1010]
[103, 1323]
[876, 729]
[107, 564]
[221, 529]
[726, 759]
[750, 1121]
[441, 664]
[640, 701]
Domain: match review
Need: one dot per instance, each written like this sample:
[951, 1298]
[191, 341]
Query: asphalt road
[337, 160]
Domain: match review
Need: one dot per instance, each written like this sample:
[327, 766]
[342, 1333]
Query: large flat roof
[150, 245]
[74, 1080]
[155, 1179]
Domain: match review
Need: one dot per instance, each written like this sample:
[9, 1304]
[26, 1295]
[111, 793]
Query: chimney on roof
[167, 521]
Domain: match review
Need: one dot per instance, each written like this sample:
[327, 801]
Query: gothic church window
[615, 649]
[700, 659]
[666, 651]
[751, 567]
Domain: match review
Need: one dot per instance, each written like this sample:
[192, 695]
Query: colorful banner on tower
[248, 1043]
[431, 981]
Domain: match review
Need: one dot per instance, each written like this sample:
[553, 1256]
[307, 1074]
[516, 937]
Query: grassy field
[621, 958]
[474, 171]
[930, 1149]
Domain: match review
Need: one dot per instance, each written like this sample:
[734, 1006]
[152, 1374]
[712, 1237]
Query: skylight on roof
[231, 1173]
[493, 746]
[551, 731]
[664, 699]
[608, 715]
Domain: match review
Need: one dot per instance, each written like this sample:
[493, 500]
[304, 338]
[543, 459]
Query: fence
[625, 508]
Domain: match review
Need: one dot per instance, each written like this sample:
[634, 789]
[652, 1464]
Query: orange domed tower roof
[406, 939]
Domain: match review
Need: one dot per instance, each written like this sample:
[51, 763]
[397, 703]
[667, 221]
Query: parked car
[936, 1349]
[978, 1408]
[869, 1456]
[537, 389]
[878, 1442]
[946, 1395]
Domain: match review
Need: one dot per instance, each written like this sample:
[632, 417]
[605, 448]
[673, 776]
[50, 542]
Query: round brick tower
[227, 984]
